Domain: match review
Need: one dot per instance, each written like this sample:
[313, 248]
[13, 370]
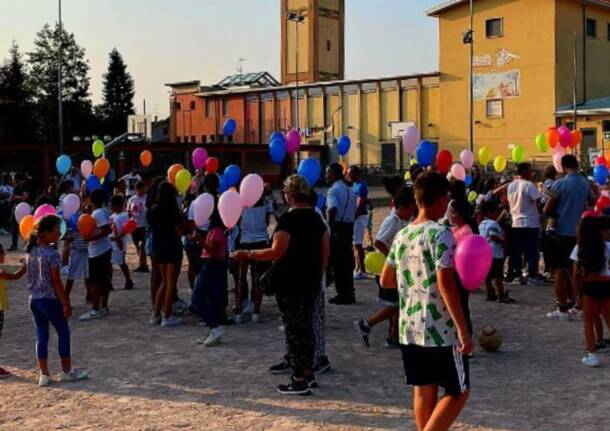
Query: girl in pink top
[460, 217]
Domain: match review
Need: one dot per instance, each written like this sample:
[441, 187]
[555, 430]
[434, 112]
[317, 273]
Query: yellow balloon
[407, 176]
[472, 196]
[484, 156]
[500, 164]
[183, 180]
[97, 148]
[413, 162]
[374, 262]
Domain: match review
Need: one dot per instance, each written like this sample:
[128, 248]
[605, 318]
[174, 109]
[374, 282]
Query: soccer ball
[490, 339]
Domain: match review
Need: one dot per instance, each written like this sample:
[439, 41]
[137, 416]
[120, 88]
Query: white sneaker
[249, 307]
[73, 376]
[44, 380]
[575, 314]
[256, 318]
[591, 360]
[154, 320]
[558, 314]
[171, 321]
[90, 315]
[64, 270]
[239, 319]
[359, 275]
[214, 337]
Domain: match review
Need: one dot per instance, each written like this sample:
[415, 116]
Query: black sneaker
[391, 344]
[311, 381]
[600, 345]
[294, 388]
[129, 284]
[322, 366]
[505, 299]
[363, 330]
[281, 368]
[338, 300]
[492, 297]
[142, 269]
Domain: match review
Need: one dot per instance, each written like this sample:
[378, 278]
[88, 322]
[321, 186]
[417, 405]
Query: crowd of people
[317, 243]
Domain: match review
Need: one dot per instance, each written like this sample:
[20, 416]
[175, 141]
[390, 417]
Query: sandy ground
[150, 378]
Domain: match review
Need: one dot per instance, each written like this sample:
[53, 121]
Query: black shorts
[387, 297]
[497, 270]
[253, 245]
[559, 250]
[596, 289]
[99, 269]
[139, 235]
[440, 366]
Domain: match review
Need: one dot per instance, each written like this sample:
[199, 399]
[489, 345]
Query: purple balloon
[410, 139]
[473, 259]
[293, 141]
[565, 136]
[200, 155]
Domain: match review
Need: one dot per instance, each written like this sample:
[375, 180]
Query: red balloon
[130, 227]
[443, 161]
[576, 138]
[601, 161]
[590, 213]
[602, 203]
[211, 165]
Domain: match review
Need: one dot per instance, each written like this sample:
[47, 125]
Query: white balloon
[203, 206]
[251, 189]
[458, 172]
[230, 208]
[467, 159]
[21, 210]
[70, 205]
[86, 167]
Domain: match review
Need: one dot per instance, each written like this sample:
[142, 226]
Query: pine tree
[118, 94]
[15, 98]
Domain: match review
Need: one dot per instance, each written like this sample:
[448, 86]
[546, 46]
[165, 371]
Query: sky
[176, 40]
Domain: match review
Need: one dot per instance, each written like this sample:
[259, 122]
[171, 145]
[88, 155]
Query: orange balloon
[101, 167]
[146, 158]
[576, 138]
[26, 226]
[552, 137]
[86, 225]
[172, 171]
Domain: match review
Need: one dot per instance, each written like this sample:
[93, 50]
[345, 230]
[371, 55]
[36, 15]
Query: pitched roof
[258, 79]
[599, 106]
[437, 10]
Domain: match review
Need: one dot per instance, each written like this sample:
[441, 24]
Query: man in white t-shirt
[523, 197]
[130, 180]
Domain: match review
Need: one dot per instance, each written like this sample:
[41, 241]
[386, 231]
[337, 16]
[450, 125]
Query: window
[591, 27]
[204, 139]
[494, 28]
[208, 108]
[606, 125]
[225, 107]
[328, 45]
[212, 139]
[192, 106]
[177, 106]
[221, 138]
[193, 139]
[495, 108]
[178, 139]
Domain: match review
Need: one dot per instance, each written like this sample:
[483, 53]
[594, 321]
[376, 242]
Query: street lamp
[297, 18]
[468, 39]
[60, 110]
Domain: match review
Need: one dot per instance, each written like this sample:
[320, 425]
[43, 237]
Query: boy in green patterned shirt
[433, 334]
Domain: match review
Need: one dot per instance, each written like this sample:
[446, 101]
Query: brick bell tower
[313, 30]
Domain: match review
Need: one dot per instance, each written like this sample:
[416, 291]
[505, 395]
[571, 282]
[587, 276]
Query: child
[404, 204]
[118, 219]
[99, 249]
[136, 207]
[3, 307]
[48, 300]
[369, 226]
[592, 272]
[434, 336]
[78, 266]
[191, 247]
[493, 233]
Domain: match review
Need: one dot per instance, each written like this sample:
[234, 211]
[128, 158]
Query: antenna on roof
[240, 68]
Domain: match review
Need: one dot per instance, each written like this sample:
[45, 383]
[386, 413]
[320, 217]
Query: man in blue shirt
[341, 207]
[362, 192]
[569, 200]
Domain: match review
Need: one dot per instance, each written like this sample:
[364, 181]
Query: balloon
[473, 259]
[200, 155]
[63, 228]
[311, 170]
[410, 139]
[44, 210]
[173, 171]
[229, 127]
[589, 213]
[26, 225]
[222, 183]
[557, 162]
[343, 145]
[70, 205]
[146, 158]
[601, 161]
[251, 189]
[552, 137]
[559, 150]
[468, 180]
[443, 161]
[277, 135]
[374, 262]
[541, 143]
[293, 141]
[92, 183]
[500, 164]
[211, 165]
[86, 167]
[130, 227]
[576, 138]
[565, 136]
[63, 164]
[425, 153]
[86, 225]
[458, 172]
[21, 210]
[472, 196]
[600, 173]
[183, 180]
[602, 203]
[101, 167]
[484, 156]
[277, 150]
[232, 175]
[321, 203]
[203, 207]
[230, 208]
[74, 221]
[467, 159]
[518, 153]
[407, 176]
[97, 148]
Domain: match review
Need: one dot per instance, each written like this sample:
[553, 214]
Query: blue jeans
[525, 240]
[47, 310]
[208, 299]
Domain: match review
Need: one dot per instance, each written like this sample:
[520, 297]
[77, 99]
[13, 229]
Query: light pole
[60, 109]
[471, 83]
[297, 18]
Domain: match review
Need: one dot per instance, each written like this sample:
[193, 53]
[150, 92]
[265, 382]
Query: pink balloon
[557, 161]
[44, 210]
[467, 159]
[293, 141]
[203, 206]
[458, 172]
[565, 136]
[251, 190]
[410, 139]
[21, 210]
[70, 205]
[559, 150]
[200, 155]
[86, 167]
[230, 208]
[473, 259]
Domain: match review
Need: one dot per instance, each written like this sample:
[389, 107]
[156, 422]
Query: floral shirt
[417, 253]
[40, 261]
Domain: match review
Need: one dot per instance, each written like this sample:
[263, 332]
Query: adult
[341, 209]
[20, 194]
[300, 251]
[523, 197]
[130, 181]
[568, 201]
[361, 191]
[74, 177]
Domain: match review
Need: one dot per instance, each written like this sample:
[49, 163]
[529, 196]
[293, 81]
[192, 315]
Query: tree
[118, 94]
[15, 99]
[44, 61]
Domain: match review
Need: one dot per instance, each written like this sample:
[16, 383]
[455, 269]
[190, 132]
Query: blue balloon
[425, 153]
[277, 135]
[63, 164]
[343, 145]
[468, 180]
[232, 175]
[601, 174]
[311, 170]
[229, 127]
[92, 183]
[223, 185]
[321, 201]
[74, 222]
[277, 150]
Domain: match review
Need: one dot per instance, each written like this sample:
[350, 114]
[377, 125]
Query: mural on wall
[504, 57]
[496, 85]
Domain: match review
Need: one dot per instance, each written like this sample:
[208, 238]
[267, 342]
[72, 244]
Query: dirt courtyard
[152, 378]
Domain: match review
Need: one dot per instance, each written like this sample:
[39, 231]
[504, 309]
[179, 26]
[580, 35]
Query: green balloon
[472, 196]
[541, 143]
[97, 148]
[518, 154]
